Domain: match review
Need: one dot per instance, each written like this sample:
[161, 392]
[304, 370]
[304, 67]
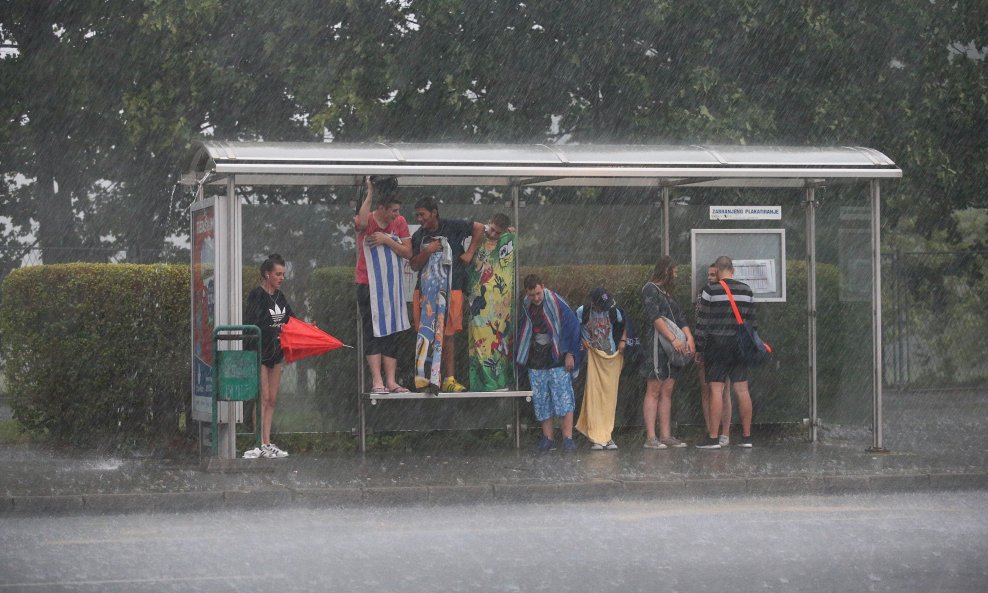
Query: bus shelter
[673, 174]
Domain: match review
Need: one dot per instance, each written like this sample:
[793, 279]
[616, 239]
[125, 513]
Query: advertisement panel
[203, 307]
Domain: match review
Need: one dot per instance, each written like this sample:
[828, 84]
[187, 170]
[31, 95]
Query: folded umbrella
[300, 340]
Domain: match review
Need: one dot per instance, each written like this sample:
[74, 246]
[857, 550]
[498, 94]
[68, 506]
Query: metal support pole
[514, 305]
[876, 317]
[811, 309]
[517, 408]
[200, 195]
[229, 298]
[361, 382]
[665, 221]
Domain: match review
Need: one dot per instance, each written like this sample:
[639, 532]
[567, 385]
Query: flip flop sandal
[380, 390]
[399, 389]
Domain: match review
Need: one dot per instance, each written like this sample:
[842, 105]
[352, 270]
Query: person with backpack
[603, 337]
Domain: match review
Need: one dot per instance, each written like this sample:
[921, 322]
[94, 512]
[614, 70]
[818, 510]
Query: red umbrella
[300, 339]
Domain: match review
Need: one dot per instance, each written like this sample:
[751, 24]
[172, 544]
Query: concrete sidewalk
[934, 445]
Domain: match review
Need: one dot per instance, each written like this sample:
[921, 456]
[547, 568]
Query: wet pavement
[937, 442]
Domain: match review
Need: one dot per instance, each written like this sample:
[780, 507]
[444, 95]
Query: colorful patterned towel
[491, 281]
[434, 281]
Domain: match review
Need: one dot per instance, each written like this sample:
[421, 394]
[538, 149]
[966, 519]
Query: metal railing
[935, 322]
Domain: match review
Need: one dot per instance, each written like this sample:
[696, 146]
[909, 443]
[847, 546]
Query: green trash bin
[237, 373]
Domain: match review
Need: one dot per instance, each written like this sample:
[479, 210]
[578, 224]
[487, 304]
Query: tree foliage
[103, 98]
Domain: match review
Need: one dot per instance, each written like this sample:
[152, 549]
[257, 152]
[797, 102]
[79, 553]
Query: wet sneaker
[745, 442]
[673, 443]
[252, 453]
[708, 443]
[724, 440]
[545, 444]
[597, 447]
[611, 445]
[569, 445]
[655, 444]
[451, 385]
[271, 451]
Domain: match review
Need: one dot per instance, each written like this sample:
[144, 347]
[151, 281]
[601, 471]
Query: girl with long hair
[659, 372]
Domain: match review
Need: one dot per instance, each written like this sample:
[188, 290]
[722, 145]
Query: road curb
[488, 493]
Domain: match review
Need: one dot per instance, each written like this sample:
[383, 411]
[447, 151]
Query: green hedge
[780, 389]
[97, 355]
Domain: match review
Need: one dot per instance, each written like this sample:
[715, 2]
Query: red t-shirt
[398, 228]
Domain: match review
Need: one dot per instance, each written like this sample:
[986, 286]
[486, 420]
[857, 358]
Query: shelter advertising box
[759, 257]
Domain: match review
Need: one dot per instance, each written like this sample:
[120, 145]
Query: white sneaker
[597, 447]
[271, 451]
[611, 445]
[252, 453]
[724, 440]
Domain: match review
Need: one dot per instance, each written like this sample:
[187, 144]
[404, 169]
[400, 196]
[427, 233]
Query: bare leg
[449, 359]
[390, 368]
[728, 412]
[566, 425]
[716, 405]
[650, 407]
[704, 393]
[744, 407]
[270, 380]
[665, 408]
[548, 428]
[374, 364]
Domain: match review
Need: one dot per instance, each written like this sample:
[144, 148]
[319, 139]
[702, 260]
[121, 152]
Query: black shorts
[383, 345]
[723, 363]
[272, 354]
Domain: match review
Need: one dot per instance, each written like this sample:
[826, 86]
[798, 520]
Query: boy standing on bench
[425, 242]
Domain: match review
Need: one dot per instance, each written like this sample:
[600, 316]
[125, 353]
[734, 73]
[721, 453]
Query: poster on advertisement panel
[203, 307]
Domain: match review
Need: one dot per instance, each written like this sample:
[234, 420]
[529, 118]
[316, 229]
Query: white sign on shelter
[746, 213]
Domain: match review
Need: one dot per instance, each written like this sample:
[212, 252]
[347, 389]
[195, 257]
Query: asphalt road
[900, 543]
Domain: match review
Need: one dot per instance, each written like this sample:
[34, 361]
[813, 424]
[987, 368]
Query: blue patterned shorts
[552, 392]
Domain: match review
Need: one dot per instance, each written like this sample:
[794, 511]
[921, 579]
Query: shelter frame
[662, 167]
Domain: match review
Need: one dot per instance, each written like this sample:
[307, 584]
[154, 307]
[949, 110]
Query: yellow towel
[600, 396]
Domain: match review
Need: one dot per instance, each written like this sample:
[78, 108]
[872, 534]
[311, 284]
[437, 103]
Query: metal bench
[373, 398]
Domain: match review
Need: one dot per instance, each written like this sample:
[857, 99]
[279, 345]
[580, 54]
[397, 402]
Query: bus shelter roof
[311, 164]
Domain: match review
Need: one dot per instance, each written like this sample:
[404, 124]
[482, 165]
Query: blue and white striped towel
[387, 290]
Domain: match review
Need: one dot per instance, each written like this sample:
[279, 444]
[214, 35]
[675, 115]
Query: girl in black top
[268, 309]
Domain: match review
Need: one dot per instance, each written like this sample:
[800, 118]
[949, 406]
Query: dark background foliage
[103, 98]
